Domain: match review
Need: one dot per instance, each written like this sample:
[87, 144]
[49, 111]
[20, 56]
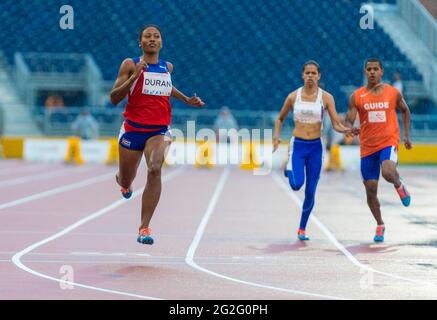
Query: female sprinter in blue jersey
[146, 80]
[308, 103]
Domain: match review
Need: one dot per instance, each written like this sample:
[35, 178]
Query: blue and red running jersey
[148, 105]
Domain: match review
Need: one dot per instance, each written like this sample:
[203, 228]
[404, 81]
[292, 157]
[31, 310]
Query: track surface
[219, 234]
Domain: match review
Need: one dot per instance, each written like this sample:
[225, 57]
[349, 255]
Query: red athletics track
[220, 234]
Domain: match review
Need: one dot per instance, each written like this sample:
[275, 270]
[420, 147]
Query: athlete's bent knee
[296, 188]
[295, 185]
[387, 174]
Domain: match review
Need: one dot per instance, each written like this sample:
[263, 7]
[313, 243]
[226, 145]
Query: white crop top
[308, 112]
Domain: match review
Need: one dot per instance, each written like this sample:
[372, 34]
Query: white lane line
[16, 259]
[284, 186]
[40, 176]
[189, 259]
[58, 190]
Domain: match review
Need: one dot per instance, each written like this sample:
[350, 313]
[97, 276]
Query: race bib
[377, 116]
[157, 84]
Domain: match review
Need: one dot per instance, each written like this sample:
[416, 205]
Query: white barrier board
[45, 150]
[93, 151]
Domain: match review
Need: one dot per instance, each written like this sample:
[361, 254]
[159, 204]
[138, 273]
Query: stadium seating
[246, 54]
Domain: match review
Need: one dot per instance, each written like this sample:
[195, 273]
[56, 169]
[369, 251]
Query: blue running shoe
[126, 193]
[379, 236]
[144, 236]
[404, 194]
[302, 236]
[286, 173]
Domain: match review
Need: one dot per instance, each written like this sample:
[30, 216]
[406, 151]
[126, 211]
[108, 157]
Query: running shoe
[379, 235]
[404, 194]
[301, 235]
[144, 236]
[126, 193]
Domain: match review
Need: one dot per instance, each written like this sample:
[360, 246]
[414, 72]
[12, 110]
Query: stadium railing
[56, 71]
[421, 21]
[425, 27]
[58, 122]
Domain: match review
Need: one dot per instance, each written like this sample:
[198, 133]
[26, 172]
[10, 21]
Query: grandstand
[245, 54]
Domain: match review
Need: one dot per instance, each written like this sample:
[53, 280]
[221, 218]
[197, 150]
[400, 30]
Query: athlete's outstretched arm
[329, 102]
[286, 108]
[351, 114]
[402, 105]
[128, 73]
[193, 101]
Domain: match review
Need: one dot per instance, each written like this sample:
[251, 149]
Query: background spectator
[85, 126]
[397, 82]
[54, 103]
[225, 120]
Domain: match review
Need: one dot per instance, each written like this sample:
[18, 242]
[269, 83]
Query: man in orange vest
[376, 105]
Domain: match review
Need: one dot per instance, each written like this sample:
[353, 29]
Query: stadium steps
[403, 36]
[18, 118]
